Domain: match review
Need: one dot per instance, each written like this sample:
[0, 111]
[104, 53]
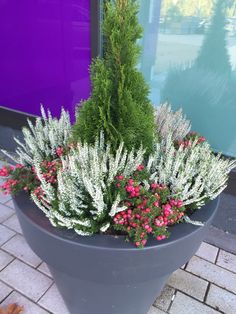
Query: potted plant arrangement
[109, 201]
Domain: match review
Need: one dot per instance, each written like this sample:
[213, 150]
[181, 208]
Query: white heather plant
[192, 173]
[43, 138]
[91, 189]
[171, 123]
[83, 199]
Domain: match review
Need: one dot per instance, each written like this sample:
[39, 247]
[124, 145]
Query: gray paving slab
[10, 204]
[213, 273]
[164, 300]
[18, 247]
[208, 252]
[227, 260]
[221, 239]
[221, 299]
[29, 306]
[52, 301]
[154, 310]
[5, 259]
[7, 141]
[25, 279]
[4, 291]
[225, 217]
[5, 212]
[184, 304]
[4, 198]
[13, 224]
[5, 234]
[188, 283]
[44, 269]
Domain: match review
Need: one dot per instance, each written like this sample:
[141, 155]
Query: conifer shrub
[119, 104]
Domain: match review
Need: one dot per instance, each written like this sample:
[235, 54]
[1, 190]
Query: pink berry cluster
[5, 171]
[149, 210]
[49, 170]
[49, 173]
[38, 192]
[12, 181]
[60, 151]
[21, 177]
[189, 138]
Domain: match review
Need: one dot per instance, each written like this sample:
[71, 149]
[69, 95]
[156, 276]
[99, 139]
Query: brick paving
[206, 284]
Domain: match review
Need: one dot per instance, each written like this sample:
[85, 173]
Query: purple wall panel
[44, 54]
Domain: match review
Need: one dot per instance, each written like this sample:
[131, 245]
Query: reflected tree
[213, 53]
[200, 8]
[206, 89]
[231, 8]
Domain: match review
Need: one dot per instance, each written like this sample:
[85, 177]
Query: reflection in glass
[195, 65]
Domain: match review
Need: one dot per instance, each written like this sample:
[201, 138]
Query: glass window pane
[189, 60]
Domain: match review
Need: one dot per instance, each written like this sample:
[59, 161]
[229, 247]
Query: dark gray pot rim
[102, 241]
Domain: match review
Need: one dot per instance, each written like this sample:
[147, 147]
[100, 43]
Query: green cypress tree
[213, 54]
[119, 103]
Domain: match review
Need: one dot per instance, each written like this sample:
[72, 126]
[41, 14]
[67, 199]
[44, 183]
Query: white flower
[82, 194]
[171, 123]
[195, 174]
[42, 139]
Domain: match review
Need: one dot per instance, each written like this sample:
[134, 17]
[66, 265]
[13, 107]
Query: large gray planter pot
[104, 274]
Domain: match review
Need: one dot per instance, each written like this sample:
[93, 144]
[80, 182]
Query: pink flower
[140, 167]
[201, 139]
[161, 237]
[130, 181]
[159, 221]
[4, 172]
[59, 151]
[179, 203]
[167, 207]
[173, 202]
[187, 143]
[133, 194]
[19, 166]
[129, 188]
[180, 215]
[120, 177]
